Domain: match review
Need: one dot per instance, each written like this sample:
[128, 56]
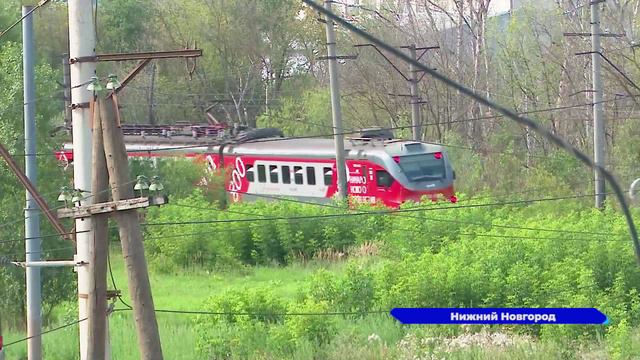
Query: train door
[386, 189]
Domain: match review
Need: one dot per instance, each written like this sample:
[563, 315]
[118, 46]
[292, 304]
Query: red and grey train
[390, 171]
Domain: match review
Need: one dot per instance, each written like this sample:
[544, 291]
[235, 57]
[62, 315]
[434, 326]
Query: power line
[201, 312]
[52, 209]
[38, 252]
[381, 212]
[40, 4]
[113, 282]
[41, 237]
[596, 235]
[452, 220]
[46, 332]
[21, 105]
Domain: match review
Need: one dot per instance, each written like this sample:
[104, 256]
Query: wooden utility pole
[130, 234]
[92, 240]
[97, 295]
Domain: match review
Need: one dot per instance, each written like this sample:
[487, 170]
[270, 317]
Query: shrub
[315, 328]
[245, 316]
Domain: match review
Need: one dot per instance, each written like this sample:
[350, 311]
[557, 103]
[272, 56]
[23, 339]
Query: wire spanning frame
[509, 113]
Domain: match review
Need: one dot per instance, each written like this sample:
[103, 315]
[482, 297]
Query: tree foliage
[58, 285]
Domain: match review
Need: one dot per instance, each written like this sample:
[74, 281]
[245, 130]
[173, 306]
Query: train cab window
[262, 175]
[250, 175]
[273, 173]
[297, 175]
[423, 167]
[286, 174]
[328, 175]
[384, 179]
[311, 175]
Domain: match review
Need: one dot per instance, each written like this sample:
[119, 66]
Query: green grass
[188, 291]
[180, 291]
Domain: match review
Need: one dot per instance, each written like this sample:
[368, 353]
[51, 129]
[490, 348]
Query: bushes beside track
[470, 254]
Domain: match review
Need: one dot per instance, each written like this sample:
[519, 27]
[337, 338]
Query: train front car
[409, 171]
[384, 171]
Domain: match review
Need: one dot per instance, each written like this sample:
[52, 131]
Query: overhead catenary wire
[355, 132]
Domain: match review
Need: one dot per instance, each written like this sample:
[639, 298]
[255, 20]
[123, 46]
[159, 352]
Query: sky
[498, 6]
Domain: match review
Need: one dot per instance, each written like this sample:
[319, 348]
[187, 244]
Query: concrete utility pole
[130, 235]
[66, 81]
[413, 80]
[152, 116]
[415, 97]
[599, 141]
[33, 242]
[336, 110]
[97, 296]
[82, 43]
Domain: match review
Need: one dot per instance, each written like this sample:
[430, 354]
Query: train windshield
[422, 167]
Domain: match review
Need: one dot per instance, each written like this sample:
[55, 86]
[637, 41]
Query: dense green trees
[58, 284]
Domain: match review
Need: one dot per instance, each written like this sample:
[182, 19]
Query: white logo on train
[238, 173]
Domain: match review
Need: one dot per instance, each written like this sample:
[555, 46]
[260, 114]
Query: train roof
[324, 148]
[307, 147]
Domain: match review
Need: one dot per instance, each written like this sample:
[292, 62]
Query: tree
[58, 285]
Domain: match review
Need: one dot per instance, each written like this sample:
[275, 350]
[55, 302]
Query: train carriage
[378, 171]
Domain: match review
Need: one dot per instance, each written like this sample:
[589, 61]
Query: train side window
[262, 175]
[328, 175]
[273, 173]
[383, 179]
[250, 176]
[297, 175]
[311, 175]
[286, 174]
